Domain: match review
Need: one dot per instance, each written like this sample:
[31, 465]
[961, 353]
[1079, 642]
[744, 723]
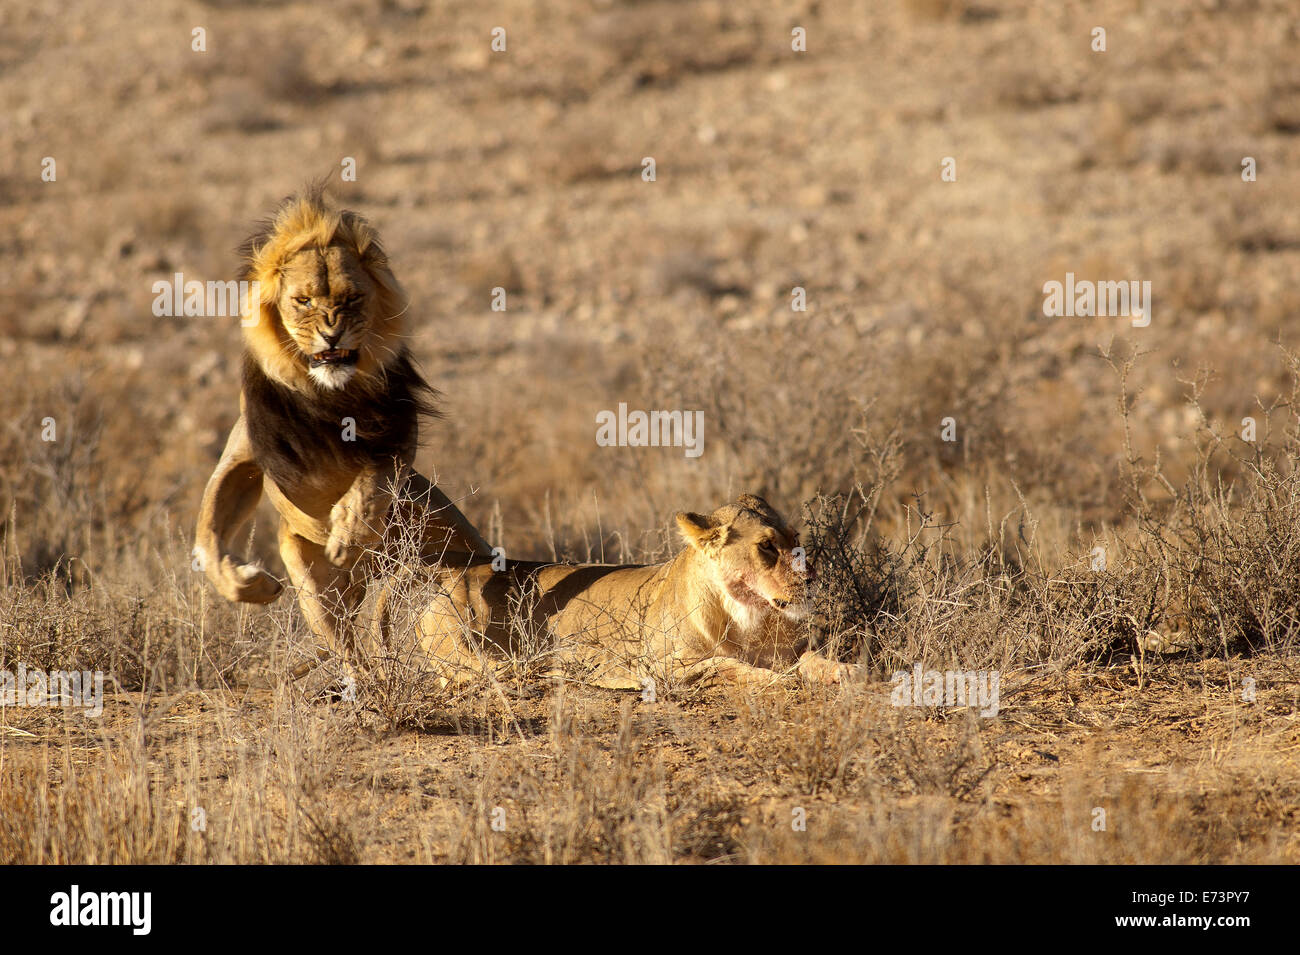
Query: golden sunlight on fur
[729, 607]
[330, 408]
[325, 287]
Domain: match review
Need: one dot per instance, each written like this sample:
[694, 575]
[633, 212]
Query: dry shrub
[400, 682]
[1228, 543]
[825, 748]
[1225, 554]
[168, 635]
[238, 796]
[598, 801]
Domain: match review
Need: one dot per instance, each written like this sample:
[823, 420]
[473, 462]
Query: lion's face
[755, 557]
[331, 314]
[326, 304]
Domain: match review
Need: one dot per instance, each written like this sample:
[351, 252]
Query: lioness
[728, 607]
[329, 418]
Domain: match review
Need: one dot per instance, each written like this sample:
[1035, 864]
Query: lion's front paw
[246, 583]
[354, 526]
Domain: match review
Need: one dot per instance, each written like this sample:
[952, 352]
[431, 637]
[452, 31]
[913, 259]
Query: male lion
[329, 417]
[727, 607]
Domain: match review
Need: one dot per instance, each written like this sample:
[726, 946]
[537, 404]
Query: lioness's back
[569, 598]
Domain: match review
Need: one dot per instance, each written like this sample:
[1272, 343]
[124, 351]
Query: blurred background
[775, 168]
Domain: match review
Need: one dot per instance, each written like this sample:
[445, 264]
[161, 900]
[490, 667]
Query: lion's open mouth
[333, 356]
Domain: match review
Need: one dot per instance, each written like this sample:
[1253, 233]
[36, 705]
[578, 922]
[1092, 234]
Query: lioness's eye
[768, 546]
[302, 299]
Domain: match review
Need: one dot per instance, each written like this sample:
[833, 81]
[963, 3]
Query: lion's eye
[302, 299]
[767, 547]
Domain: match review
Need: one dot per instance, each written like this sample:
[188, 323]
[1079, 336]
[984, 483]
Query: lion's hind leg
[448, 637]
[422, 618]
[328, 595]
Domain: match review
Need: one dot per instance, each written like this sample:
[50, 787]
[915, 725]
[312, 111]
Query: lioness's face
[325, 303]
[755, 556]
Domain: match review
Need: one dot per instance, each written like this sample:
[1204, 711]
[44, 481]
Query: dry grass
[519, 767]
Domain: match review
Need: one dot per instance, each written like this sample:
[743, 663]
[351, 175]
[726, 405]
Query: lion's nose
[332, 339]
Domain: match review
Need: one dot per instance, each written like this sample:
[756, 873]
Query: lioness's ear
[696, 529]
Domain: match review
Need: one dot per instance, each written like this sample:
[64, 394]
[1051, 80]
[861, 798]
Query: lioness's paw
[845, 671]
[817, 669]
[246, 583]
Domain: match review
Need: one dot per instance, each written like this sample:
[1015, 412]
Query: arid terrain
[1104, 510]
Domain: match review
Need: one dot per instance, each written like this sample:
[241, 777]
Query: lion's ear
[697, 530]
